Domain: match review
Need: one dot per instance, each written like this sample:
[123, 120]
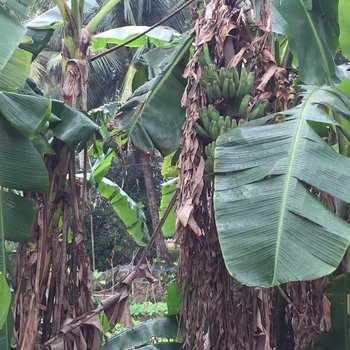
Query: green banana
[206, 54]
[231, 88]
[204, 115]
[259, 109]
[255, 113]
[228, 122]
[249, 83]
[222, 76]
[217, 90]
[201, 131]
[221, 122]
[214, 130]
[213, 113]
[243, 105]
[213, 145]
[210, 91]
[209, 165]
[233, 124]
[235, 75]
[213, 72]
[207, 150]
[223, 130]
[225, 91]
[242, 85]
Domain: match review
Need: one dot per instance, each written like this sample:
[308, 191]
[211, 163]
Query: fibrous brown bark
[153, 205]
[219, 313]
[51, 285]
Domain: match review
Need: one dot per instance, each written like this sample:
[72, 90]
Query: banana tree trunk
[153, 204]
[220, 313]
[51, 284]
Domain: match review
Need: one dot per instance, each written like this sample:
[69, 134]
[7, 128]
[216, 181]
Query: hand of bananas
[223, 83]
[211, 124]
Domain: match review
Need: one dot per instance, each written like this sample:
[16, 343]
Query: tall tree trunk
[153, 204]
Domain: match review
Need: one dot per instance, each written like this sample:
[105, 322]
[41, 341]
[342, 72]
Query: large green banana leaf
[128, 211]
[153, 117]
[312, 30]
[272, 228]
[157, 36]
[164, 327]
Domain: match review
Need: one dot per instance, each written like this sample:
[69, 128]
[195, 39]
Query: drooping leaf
[344, 24]
[311, 38]
[165, 327]
[128, 211]
[153, 117]
[101, 166]
[337, 338]
[168, 190]
[157, 36]
[5, 297]
[16, 71]
[11, 35]
[25, 113]
[272, 229]
[75, 127]
[21, 166]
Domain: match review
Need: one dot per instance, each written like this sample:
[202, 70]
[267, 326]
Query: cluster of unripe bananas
[233, 87]
[210, 126]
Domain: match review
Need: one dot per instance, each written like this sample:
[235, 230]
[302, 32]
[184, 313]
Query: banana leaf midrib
[288, 176]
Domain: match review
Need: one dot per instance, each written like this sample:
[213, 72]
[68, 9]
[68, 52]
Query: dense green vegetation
[89, 142]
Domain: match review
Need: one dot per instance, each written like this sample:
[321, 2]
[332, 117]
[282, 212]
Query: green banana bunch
[219, 83]
[211, 124]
